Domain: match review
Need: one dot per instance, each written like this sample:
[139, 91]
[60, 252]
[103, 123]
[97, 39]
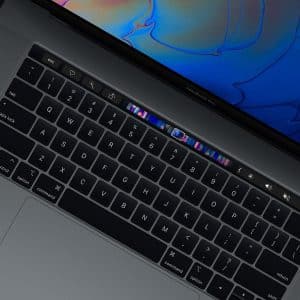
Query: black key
[293, 224]
[215, 178]
[24, 94]
[111, 144]
[83, 182]
[187, 215]
[63, 144]
[112, 118]
[124, 205]
[256, 201]
[7, 163]
[133, 130]
[92, 85]
[43, 132]
[214, 204]
[72, 73]
[292, 251]
[234, 215]
[125, 179]
[166, 203]
[92, 107]
[185, 241]
[255, 227]
[194, 166]
[276, 213]
[41, 158]
[241, 294]
[145, 191]
[70, 121]
[131, 156]
[193, 192]
[153, 142]
[206, 253]
[174, 154]
[15, 142]
[276, 267]
[248, 250]
[176, 262]
[220, 287]
[113, 226]
[84, 156]
[25, 175]
[105, 167]
[165, 229]
[275, 239]
[259, 283]
[90, 133]
[235, 190]
[207, 227]
[49, 109]
[152, 168]
[228, 238]
[16, 116]
[62, 170]
[172, 180]
[51, 83]
[226, 264]
[144, 217]
[71, 95]
[48, 188]
[199, 276]
[103, 193]
[30, 71]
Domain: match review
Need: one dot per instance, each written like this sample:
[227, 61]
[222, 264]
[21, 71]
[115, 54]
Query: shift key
[258, 283]
[277, 267]
[16, 116]
[15, 142]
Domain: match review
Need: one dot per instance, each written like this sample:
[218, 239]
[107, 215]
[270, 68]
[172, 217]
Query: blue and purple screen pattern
[245, 51]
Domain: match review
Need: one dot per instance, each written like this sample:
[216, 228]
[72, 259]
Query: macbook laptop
[149, 150]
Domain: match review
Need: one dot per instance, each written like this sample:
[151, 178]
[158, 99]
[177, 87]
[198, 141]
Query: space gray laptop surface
[71, 230]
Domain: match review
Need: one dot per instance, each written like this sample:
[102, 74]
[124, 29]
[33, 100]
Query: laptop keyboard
[70, 139]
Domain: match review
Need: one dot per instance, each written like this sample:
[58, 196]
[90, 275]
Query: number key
[92, 107]
[51, 83]
[133, 130]
[71, 95]
[194, 166]
[174, 154]
[112, 118]
[215, 178]
[235, 190]
[153, 142]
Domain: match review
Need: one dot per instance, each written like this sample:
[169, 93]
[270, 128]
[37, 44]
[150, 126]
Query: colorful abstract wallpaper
[245, 51]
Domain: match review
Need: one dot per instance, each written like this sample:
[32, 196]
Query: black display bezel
[177, 81]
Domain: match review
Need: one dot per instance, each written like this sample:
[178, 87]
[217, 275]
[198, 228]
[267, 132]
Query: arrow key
[220, 287]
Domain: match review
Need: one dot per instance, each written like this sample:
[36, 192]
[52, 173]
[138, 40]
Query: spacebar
[112, 225]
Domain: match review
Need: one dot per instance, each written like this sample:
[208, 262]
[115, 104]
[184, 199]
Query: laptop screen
[246, 52]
